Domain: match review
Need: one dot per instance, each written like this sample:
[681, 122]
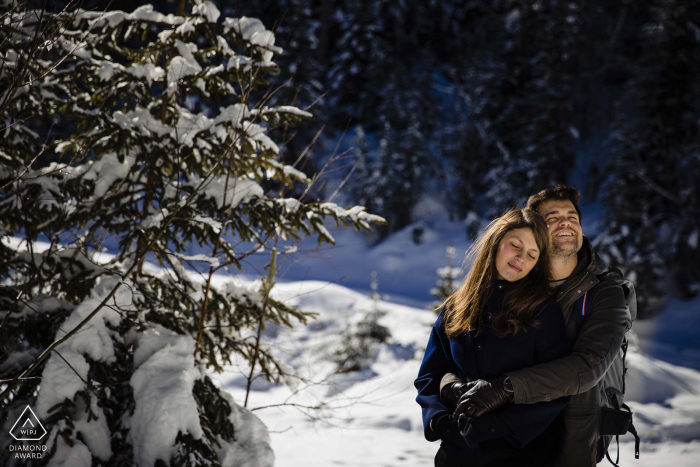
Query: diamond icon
[28, 427]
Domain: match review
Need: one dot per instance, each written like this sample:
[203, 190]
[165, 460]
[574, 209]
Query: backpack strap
[633, 430]
[625, 344]
[617, 459]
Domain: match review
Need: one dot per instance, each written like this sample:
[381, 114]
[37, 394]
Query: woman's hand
[484, 396]
[448, 430]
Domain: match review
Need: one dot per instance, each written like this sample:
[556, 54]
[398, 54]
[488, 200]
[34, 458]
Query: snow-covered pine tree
[390, 183]
[448, 281]
[302, 29]
[168, 145]
[395, 172]
[652, 194]
[372, 84]
[533, 137]
[358, 345]
[361, 59]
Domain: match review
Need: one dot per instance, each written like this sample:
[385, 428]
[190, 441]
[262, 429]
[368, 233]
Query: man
[574, 270]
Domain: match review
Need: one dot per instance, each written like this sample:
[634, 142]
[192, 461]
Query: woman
[501, 319]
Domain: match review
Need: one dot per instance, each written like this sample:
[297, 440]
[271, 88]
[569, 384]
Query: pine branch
[267, 289]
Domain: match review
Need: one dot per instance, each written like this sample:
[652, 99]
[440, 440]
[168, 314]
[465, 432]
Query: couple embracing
[513, 373]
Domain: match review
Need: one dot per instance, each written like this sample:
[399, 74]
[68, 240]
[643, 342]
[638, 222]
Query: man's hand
[483, 397]
[451, 393]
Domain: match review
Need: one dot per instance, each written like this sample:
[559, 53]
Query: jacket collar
[588, 262]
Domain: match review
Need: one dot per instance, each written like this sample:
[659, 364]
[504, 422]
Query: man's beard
[564, 250]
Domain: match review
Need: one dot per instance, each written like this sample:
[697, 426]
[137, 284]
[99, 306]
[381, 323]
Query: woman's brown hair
[522, 299]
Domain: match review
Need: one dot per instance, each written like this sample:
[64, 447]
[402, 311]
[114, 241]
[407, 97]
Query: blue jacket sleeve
[527, 421]
[436, 362]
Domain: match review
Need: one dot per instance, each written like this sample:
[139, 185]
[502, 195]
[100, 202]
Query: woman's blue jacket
[482, 355]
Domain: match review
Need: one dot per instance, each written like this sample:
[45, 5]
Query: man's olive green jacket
[594, 347]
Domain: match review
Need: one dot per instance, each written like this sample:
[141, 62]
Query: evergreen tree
[448, 281]
[360, 63]
[167, 151]
[652, 194]
[302, 29]
[391, 178]
[378, 79]
[360, 339]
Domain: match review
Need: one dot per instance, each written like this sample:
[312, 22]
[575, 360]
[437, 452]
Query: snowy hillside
[406, 268]
[370, 417]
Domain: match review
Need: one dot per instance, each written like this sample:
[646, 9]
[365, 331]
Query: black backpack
[616, 416]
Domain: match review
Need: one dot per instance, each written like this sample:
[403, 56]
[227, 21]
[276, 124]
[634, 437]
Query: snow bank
[654, 381]
[672, 336]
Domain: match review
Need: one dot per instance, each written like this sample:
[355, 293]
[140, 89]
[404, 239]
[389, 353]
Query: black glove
[450, 393]
[446, 427]
[486, 395]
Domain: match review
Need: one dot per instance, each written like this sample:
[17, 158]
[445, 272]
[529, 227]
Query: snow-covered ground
[370, 417]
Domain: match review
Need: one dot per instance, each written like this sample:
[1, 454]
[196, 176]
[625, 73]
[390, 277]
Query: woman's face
[517, 255]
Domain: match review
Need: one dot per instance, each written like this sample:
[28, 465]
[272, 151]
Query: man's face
[563, 224]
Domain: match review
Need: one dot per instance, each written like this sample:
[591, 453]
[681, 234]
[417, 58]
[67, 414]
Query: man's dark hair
[559, 192]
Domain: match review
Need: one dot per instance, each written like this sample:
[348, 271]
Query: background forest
[481, 103]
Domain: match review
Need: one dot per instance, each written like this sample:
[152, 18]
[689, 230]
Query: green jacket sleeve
[596, 346]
